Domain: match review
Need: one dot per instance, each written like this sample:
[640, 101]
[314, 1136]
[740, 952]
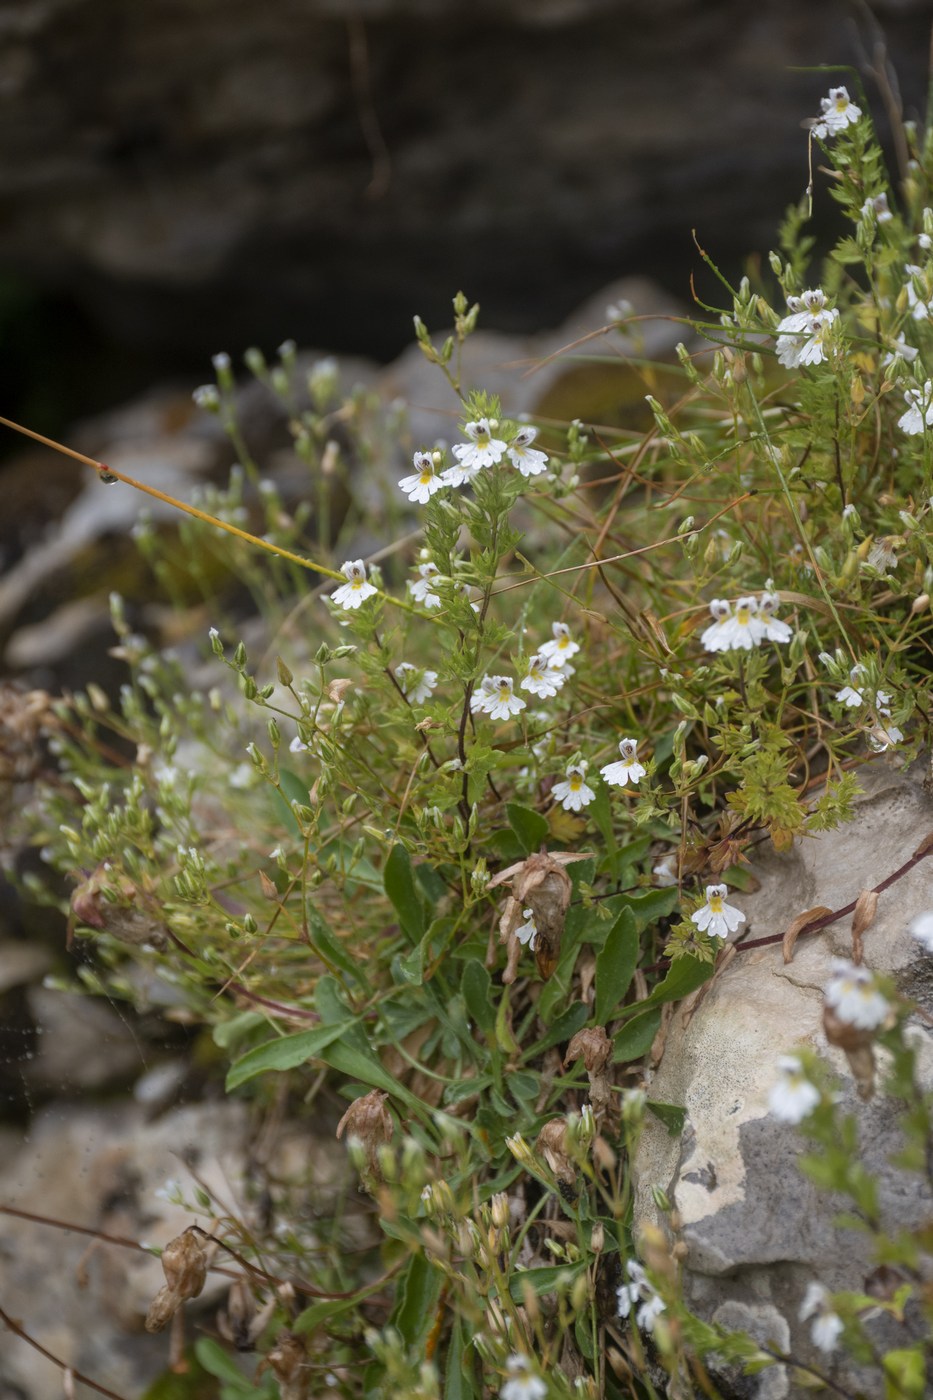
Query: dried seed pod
[184, 1263]
[541, 883]
[552, 1146]
[369, 1122]
[856, 1044]
[592, 1046]
[288, 1362]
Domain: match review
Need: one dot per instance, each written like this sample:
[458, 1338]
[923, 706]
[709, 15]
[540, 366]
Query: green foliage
[345, 859]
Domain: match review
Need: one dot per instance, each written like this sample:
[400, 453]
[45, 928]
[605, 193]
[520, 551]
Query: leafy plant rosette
[441, 844]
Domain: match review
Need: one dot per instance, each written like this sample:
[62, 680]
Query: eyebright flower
[561, 647]
[542, 678]
[521, 1384]
[900, 350]
[483, 450]
[740, 630]
[808, 306]
[298, 745]
[573, 794]
[852, 994]
[792, 1095]
[884, 736]
[417, 685]
[716, 917]
[421, 486]
[921, 928]
[715, 638]
[838, 112]
[775, 629]
[665, 872]
[879, 207]
[420, 588]
[529, 460]
[528, 931]
[827, 1325]
[624, 770]
[919, 409]
[851, 696]
[356, 589]
[495, 697]
[640, 1290]
[808, 345]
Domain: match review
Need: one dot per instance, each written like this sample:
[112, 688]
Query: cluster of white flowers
[747, 625]
[626, 769]
[792, 1096]
[802, 335]
[837, 111]
[357, 587]
[642, 1292]
[481, 450]
[495, 696]
[852, 993]
[716, 917]
[877, 206]
[851, 696]
[416, 685]
[522, 1383]
[919, 413]
[827, 1325]
[574, 793]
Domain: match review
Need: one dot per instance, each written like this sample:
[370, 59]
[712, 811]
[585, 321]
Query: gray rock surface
[312, 168]
[755, 1230]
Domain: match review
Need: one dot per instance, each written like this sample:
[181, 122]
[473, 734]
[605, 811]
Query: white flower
[715, 637]
[298, 745]
[792, 1095]
[561, 647]
[716, 917]
[900, 350]
[496, 698]
[416, 685]
[528, 931]
[851, 696]
[775, 630]
[421, 486]
[521, 1384]
[921, 928]
[919, 409]
[806, 346]
[640, 1291]
[624, 770]
[838, 112]
[420, 588]
[483, 450]
[920, 307]
[809, 306]
[541, 678]
[242, 776]
[573, 794]
[827, 1325]
[879, 208]
[852, 994]
[529, 460]
[744, 629]
[356, 589]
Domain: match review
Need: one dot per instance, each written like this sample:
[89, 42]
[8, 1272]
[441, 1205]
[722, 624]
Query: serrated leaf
[615, 966]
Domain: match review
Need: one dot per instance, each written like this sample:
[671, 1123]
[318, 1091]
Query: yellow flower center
[743, 616]
[356, 583]
[715, 903]
[576, 782]
[426, 474]
[563, 643]
[841, 104]
[504, 692]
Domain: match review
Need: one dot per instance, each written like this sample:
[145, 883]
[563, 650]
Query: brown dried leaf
[794, 929]
[862, 918]
[925, 847]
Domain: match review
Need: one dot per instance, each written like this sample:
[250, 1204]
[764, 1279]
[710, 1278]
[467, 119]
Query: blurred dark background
[183, 176]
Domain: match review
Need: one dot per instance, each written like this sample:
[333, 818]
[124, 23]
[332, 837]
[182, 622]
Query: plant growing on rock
[449, 833]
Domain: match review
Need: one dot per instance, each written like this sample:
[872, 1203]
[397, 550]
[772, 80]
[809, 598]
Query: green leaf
[683, 977]
[287, 1052]
[459, 1374]
[543, 1280]
[651, 906]
[215, 1361]
[417, 1298]
[636, 1036]
[671, 1115]
[615, 966]
[228, 1032]
[331, 951]
[400, 887]
[476, 986]
[530, 827]
[572, 1019]
[353, 1057]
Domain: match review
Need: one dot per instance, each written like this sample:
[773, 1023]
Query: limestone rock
[755, 1230]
